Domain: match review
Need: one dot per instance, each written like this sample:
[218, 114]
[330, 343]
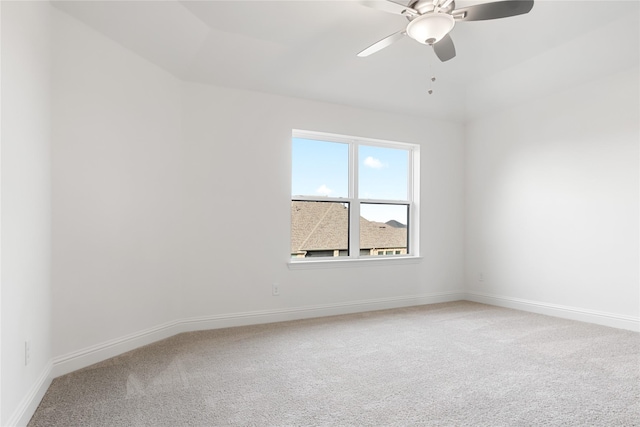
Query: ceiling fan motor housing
[426, 6]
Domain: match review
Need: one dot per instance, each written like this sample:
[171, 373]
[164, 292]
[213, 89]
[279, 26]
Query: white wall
[238, 153]
[116, 168]
[26, 207]
[552, 201]
[171, 203]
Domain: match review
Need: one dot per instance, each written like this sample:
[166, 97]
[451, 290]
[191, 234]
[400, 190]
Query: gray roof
[325, 225]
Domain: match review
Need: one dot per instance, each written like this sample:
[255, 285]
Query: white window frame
[413, 200]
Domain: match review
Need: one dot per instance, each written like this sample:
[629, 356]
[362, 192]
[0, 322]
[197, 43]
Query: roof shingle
[325, 225]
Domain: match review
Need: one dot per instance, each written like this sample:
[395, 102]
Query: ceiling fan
[430, 21]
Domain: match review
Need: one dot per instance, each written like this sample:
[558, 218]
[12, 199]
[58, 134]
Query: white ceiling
[308, 49]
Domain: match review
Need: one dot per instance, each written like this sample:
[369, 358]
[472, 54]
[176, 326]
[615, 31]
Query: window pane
[383, 229]
[319, 168]
[319, 229]
[382, 173]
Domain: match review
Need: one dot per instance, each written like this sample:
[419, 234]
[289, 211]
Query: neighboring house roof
[325, 225]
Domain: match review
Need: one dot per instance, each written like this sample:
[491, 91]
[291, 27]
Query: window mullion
[354, 210]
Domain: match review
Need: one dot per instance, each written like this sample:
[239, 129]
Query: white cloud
[373, 163]
[324, 190]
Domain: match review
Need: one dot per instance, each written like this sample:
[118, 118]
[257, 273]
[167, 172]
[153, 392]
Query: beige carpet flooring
[451, 364]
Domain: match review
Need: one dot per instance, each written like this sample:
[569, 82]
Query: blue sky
[320, 168]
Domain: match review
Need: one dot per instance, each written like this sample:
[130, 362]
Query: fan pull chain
[431, 80]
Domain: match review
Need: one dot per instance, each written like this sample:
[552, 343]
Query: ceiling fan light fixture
[430, 28]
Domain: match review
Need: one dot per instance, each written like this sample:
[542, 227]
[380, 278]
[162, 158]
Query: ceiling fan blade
[379, 45]
[390, 6]
[444, 49]
[495, 10]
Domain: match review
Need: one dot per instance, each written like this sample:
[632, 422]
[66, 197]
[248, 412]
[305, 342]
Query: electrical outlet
[481, 277]
[275, 289]
[27, 352]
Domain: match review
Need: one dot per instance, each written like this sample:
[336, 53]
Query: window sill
[360, 262]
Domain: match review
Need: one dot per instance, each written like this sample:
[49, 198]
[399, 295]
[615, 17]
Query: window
[352, 198]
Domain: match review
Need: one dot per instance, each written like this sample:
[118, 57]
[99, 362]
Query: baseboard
[307, 312]
[97, 353]
[590, 316]
[30, 402]
[90, 355]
